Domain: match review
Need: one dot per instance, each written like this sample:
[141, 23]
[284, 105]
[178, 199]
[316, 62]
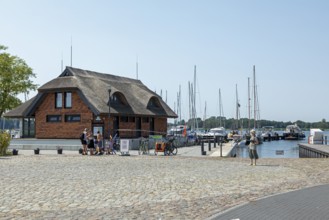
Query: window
[59, 100]
[72, 118]
[118, 99]
[123, 119]
[68, 100]
[131, 119]
[54, 118]
[153, 103]
[145, 120]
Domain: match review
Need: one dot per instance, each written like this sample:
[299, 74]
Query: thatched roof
[93, 88]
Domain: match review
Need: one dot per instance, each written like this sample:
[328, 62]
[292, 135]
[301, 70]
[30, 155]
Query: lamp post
[109, 111]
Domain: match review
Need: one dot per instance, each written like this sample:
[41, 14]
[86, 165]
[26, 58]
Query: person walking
[253, 147]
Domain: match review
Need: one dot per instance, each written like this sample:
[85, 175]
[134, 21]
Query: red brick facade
[72, 130]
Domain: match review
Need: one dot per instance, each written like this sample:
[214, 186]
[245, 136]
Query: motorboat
[215, 133]
[267, 131]
[220, 131]
[177, 131]
[293, 132]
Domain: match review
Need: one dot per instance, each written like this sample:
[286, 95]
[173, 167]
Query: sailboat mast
[237, 106]
[194, 99]
[205, 114]
[249, 104]
[220, 110]
[255, 101]
[189, 100]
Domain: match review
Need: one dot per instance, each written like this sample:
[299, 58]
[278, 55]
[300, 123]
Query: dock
[228, 150]
[313, 151]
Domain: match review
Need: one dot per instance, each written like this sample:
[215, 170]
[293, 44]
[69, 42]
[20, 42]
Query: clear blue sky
[287, 41]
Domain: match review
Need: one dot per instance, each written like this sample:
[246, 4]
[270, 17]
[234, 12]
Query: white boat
[293, 132]
[267, 132]
[177, 131]
[220, 131]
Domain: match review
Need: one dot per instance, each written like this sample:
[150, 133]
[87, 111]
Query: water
[274, 149]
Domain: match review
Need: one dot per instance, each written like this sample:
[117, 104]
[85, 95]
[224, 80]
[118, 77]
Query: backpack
[82, 136]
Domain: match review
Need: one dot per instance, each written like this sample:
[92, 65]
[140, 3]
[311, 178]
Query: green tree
[15, 77]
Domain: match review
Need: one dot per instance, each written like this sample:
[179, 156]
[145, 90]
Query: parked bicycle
[171, 147]
[144, 147]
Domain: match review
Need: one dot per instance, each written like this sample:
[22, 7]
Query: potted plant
[36, 151]
[15, 152]
[59, 150]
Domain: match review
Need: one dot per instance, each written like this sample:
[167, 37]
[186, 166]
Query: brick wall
[61, 129]
[160, 125]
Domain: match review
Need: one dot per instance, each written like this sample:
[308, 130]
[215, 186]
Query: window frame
[66, 118]
[57, 100]
[58, 118]
[124, 119]
[145, 119]
[66, 99]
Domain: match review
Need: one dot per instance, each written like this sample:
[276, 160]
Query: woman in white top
[253, 147]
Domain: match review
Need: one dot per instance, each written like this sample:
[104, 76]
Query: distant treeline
[232, 123]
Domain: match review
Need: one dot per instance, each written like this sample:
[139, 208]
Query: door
[28, 127]
[151, 126]
[138, 127]
[116, 126]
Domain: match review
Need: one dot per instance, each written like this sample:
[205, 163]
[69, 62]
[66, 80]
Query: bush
[4, 142]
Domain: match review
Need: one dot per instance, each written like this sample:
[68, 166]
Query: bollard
[221, 149]
[215, 138]
[202, 148]
[209, 145]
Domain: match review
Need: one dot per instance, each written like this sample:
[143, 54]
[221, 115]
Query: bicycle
[144, 147]
[171, 147]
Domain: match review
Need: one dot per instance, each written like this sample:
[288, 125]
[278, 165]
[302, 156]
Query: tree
[15, 77]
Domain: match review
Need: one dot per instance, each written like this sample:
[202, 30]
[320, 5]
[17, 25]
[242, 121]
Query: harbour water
[276, 149]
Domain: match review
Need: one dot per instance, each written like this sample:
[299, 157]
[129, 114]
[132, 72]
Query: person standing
[253, 147]
[99, 138]
[83, 139]
[91, 145]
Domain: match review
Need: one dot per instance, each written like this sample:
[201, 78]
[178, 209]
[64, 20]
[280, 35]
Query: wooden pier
[313, 151]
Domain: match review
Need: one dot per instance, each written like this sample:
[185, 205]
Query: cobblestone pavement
[72, 186]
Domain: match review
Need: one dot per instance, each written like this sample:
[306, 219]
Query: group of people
[96, 146]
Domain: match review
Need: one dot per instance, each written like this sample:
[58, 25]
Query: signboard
[96, 129]
[124, 146]
[279, 152]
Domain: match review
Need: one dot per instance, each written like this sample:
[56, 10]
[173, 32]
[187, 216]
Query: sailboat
[235, 135]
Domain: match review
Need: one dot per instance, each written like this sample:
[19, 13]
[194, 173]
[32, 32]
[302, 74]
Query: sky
[287, 41]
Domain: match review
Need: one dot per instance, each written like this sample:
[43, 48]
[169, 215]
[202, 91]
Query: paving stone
[72, 186]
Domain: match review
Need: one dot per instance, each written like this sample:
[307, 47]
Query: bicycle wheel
[141, 149]
[147, 150]
[174, 150]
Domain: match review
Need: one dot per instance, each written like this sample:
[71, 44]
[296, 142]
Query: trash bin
[36, 151]
[15, 152]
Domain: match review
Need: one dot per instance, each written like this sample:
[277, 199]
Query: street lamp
[109, 111]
